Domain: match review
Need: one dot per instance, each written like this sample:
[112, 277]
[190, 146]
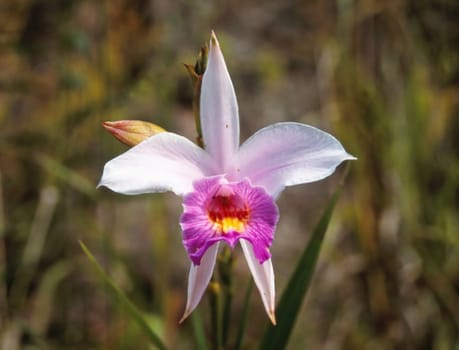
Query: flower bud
[132, 132]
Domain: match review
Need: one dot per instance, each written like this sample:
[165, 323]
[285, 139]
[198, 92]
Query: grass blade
[198, 330]
[67, 175]
[276, 337]
[130, 308]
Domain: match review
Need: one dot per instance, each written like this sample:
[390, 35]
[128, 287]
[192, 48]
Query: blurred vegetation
[381, 76]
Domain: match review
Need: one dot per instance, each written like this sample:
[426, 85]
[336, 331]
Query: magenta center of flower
[218, 210]
[227, 211]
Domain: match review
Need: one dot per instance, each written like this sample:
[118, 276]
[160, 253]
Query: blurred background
[381, 76]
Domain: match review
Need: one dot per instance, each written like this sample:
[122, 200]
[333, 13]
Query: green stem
[216, 314]
[221, 297]
[244, 316]
[226, 279]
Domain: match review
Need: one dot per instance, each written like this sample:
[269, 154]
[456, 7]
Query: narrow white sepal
[199, 278]
[263, 275]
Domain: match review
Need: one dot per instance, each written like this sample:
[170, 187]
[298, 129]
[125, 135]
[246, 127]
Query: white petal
[199, 278]
[287, 154]
[219, 111]
[164, 162]
[263, 275]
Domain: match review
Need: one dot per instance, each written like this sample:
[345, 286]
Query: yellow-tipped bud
[132, 132]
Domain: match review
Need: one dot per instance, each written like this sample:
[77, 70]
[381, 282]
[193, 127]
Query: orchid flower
[228, 190]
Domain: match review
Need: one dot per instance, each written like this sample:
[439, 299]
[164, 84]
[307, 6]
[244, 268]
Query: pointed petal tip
[107, 125]
[272, 317]
[186, 313]
[351, 157]
[213, 40]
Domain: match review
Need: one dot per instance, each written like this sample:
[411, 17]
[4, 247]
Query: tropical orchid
[229, 191]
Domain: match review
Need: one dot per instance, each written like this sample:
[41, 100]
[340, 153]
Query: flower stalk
[221, 296]
[225, 269]
[215, 300]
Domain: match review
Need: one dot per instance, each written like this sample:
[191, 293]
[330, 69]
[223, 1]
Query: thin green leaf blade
[198, 330]
[276, 337]
[130, 308]
[67, 175]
